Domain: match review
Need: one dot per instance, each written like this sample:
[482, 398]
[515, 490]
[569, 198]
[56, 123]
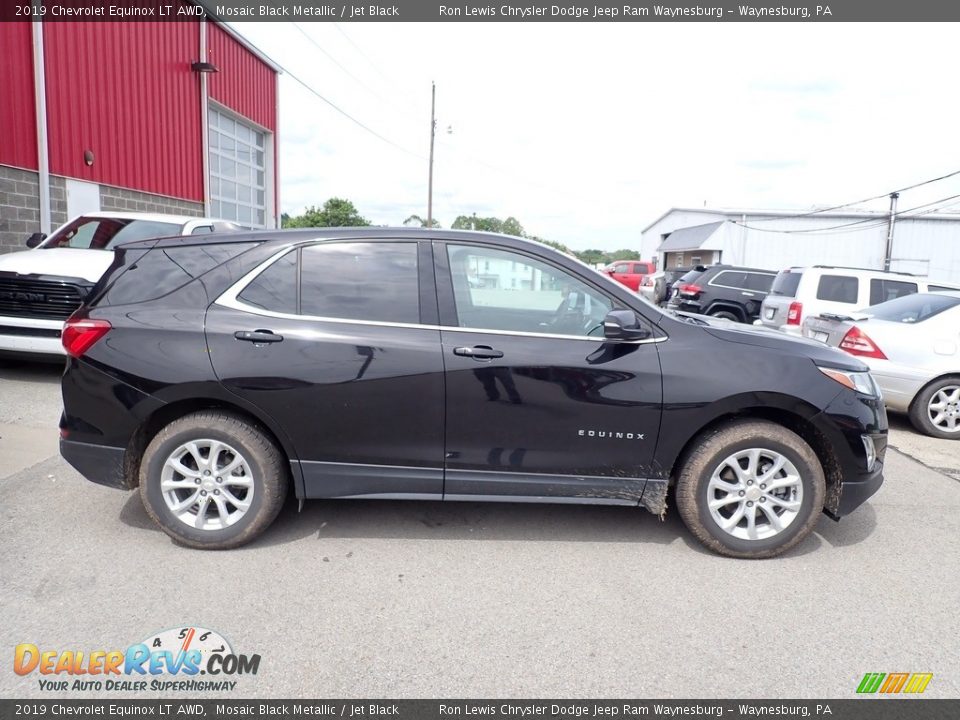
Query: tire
[725, 314]
[714, 453]
[180, 455]
[945, 393]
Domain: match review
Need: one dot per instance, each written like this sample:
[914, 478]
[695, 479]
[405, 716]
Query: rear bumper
[97, 463]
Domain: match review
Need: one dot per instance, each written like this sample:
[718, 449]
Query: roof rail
[848, 267]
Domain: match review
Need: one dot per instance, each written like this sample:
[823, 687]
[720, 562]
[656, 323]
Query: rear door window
[731, 279]
[275, 289]
[838, 288]
[882, 289]
[336, 282]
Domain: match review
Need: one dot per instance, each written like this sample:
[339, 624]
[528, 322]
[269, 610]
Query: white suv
[40, 288]
[800, 292]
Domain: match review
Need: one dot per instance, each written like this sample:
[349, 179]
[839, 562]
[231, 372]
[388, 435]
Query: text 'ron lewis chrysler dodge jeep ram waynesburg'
[220, 376]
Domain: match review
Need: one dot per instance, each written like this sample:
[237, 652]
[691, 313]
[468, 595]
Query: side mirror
[36, 239]
[623, 325]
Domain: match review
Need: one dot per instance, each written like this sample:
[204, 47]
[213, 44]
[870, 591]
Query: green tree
[417, 221]
[623, 254]
[336, 212]
[591, 257]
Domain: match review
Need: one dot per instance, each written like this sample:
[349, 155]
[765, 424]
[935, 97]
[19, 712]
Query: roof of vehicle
[151, 217]
[299, 235]
[846, 267]
[741, 268]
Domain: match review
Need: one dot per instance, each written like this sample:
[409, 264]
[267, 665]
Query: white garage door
[237, 171]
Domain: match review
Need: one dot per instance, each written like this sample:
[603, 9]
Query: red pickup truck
[630, 272]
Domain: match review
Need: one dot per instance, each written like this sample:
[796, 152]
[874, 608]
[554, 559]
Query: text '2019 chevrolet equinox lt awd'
[220, 376]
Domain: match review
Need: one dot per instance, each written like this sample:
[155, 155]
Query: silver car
[912, 345]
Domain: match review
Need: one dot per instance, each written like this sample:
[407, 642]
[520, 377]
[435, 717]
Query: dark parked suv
[724, 291]
[221, 377]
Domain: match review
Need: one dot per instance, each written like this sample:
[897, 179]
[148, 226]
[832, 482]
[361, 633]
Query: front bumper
[31, 336]
[97, 463]
[854, 493]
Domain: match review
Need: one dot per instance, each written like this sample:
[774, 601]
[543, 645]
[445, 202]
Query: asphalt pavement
[418, 599]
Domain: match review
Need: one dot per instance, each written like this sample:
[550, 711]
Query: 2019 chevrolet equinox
[219, 377]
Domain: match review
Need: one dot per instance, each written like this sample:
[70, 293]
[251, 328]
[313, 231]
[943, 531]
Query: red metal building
[174, 117]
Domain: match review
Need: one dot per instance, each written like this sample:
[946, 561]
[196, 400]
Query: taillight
[691, 289]
[857, 342]
[80, 335]
[794, 312]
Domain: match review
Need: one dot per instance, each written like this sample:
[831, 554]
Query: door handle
[748, 294]
[258, 336]
[478, 352]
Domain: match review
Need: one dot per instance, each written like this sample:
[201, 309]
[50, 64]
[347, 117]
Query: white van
[800, 292]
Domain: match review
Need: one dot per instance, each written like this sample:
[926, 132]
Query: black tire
[268, 478]
[919, 416]
[725, 314]
[709, 452]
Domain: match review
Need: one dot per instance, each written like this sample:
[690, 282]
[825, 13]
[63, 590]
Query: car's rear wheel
[212, 480]
[936, 409]
[750, 489]
[725, 314]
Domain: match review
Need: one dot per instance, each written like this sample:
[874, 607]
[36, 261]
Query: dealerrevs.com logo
[169, 660]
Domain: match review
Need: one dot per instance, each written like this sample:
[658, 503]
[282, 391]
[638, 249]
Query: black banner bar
[847, 709]
[482, 11]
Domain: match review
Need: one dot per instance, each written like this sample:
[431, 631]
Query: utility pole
[893, 216]
[433, 131]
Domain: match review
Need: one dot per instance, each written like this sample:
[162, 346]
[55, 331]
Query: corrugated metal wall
[923, 246]
[245, 83]
[18, 120]
[126, 92]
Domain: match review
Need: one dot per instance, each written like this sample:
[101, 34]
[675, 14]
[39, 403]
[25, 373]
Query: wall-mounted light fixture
[88, 157]
[202, 66]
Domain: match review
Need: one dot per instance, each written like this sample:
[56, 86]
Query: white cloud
[588, 131]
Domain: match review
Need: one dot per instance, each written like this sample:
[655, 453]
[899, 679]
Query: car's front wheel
[750, 489]
[936, 409]
[212, 480]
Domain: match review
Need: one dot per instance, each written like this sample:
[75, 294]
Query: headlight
[862, 382]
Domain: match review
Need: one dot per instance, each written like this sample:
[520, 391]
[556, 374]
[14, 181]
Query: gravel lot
[415, 599]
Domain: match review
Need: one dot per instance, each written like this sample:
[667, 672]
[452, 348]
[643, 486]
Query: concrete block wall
[112, 198]
[20, 205]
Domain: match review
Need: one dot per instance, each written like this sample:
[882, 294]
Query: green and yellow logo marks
[894, 683]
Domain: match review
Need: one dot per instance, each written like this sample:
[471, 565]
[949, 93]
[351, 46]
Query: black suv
[723, 291]
[220, 377]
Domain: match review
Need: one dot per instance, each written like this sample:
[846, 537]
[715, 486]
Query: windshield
[786, 283]
[96, 233]
[913, 308]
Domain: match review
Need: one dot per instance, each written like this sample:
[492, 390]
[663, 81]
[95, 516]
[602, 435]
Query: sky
[588, 132]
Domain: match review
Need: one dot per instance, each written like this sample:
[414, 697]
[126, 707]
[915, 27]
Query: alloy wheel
[944, 409]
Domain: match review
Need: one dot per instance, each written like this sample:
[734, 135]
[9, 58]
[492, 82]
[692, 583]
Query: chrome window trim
[230, 299]
[734, 287]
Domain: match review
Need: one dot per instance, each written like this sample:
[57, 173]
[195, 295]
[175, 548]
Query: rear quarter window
[165, 269]
[838, 288]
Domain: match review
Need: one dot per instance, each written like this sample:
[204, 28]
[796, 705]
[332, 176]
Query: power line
[867, 223]
[859, 202]
[347, 115]
[332, 59]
